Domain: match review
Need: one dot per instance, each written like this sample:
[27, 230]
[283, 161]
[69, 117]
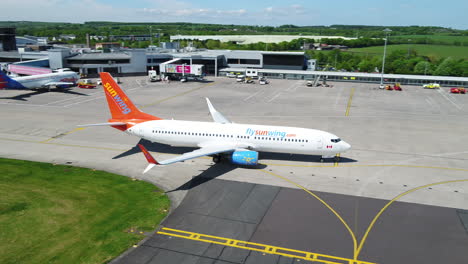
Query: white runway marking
[75, 97]
[448, 99]
[95, 98]
[253, 95]
[35, 105]
[274, 97]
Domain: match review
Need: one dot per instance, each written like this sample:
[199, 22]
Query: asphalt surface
[401, 141]
[290, 218]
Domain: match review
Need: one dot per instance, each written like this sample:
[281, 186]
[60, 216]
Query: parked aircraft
[59, 79]
[240, 143]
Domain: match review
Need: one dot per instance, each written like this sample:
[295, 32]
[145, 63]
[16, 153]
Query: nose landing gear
[335, 158]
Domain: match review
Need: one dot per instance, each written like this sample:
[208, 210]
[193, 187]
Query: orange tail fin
[120, 106]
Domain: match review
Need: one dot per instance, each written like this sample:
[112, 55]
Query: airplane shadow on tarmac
[21, 97]
[154, 147]
[163, 148]
[212, 172]
[301, 158]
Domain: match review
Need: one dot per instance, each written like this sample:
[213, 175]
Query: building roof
[100, 56]
[357, 74]
[10, 54]
[199, 53]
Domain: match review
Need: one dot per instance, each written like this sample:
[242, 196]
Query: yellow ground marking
[371, 225]
[368, 165]
[177, 95]
[63, 134]
[266, 249]
[350, 100]
[351, 233]
[336, 161]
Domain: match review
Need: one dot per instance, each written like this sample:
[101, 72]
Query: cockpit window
[335, 140]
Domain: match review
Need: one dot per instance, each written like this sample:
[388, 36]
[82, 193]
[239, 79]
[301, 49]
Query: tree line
[396, 62]
[53, 29]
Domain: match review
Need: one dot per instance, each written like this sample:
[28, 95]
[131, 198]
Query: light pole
[159, 37]
[151, 35]
[387, 30]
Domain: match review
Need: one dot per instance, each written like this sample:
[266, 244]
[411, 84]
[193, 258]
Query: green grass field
[437, 51]
[440, 37]
[64, 214]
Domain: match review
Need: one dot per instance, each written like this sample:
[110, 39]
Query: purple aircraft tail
[8, 83]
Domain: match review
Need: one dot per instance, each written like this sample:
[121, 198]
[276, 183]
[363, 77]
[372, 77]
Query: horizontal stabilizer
[152, 162]
[104, 124]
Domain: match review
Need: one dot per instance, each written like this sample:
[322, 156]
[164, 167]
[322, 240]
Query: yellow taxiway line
[62, 134]
[350, 100]
[351, 233]
[377, 216]
[268, 249]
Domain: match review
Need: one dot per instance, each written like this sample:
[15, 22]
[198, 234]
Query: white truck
[153, 76]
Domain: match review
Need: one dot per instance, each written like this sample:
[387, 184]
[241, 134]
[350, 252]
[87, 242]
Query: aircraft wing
[217, 116]
[204, 151]
[57, 84]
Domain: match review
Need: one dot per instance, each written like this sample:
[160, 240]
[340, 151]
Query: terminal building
[271, 64]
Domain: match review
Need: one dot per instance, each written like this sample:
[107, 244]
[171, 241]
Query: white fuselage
[254, 137]
[41, 80]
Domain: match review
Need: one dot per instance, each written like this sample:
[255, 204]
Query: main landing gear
[217, 158]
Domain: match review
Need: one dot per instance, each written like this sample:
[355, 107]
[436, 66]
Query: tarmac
[409, 148]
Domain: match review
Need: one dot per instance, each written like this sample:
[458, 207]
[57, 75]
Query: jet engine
[244, 157]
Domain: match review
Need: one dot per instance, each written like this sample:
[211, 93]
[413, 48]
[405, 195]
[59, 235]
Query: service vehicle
[397, 87]
[231, 75]
[431, 86]
[263, 81]
[240, 78]
[86, 84]
[458, 90]
[153, 76]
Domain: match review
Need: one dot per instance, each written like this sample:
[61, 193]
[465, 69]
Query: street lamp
[151, 35]
[387, 30]
[159, 37]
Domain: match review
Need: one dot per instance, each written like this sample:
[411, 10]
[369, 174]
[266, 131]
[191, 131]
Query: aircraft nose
[346, 146]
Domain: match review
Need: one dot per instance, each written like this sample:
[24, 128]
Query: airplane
[59, 79]
[219, 139]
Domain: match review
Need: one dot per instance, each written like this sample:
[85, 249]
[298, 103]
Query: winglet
[217, 116]
[152, 162]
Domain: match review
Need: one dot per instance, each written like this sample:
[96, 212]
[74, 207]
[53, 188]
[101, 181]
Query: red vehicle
[397, 87]
[388, 88]
[457, 90]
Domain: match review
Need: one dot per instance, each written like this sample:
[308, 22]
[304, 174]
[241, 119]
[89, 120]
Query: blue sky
[448, 13]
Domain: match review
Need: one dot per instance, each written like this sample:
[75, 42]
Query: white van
[251, 73]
